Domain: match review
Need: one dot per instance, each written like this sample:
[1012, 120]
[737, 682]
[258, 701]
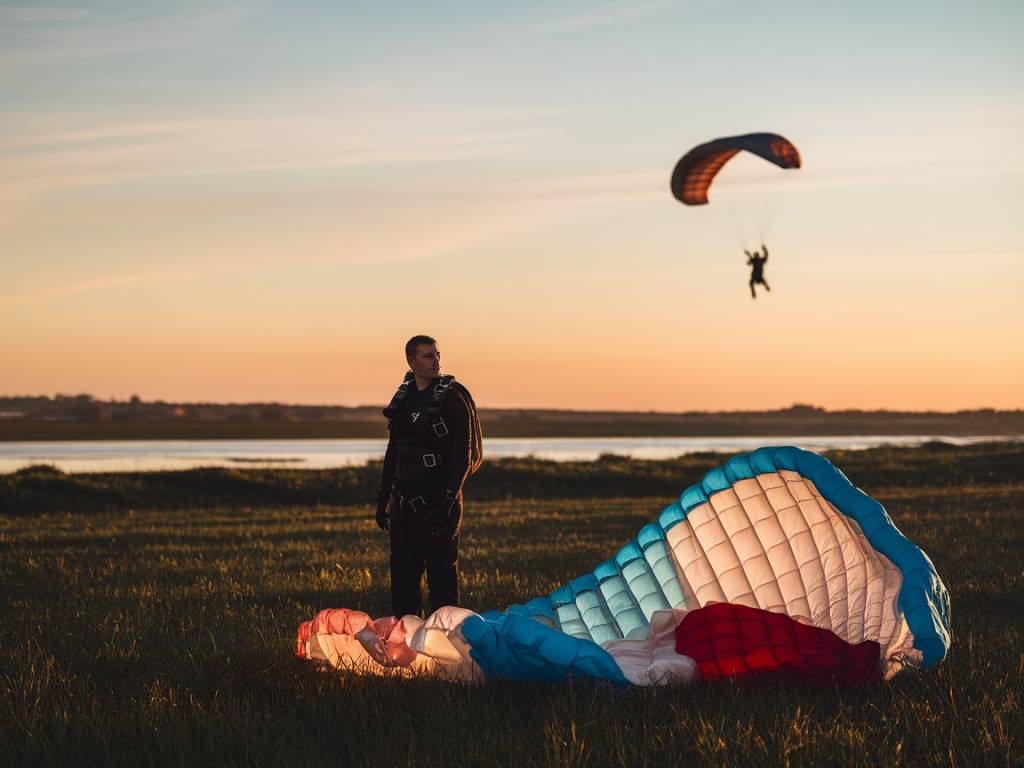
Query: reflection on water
[146, 455]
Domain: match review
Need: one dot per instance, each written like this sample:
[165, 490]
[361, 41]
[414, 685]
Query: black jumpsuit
[422, 486]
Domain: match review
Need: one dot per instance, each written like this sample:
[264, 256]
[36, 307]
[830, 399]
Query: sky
[217, 201]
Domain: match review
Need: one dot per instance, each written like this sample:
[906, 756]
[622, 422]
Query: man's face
[426, 362]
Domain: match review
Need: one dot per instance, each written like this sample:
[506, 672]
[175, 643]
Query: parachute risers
[779, 532]
[695, 171]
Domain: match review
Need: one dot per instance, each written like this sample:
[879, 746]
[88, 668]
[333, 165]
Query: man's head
[423, 356]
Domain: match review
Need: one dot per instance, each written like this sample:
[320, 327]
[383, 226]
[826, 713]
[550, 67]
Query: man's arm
[387, 482]
[765, 249]
[456, 416]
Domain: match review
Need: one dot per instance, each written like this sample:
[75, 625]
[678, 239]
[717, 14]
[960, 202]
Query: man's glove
[446, 517]
[382, 515]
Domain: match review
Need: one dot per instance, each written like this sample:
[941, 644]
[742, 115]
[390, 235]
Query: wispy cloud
[102, 154]
[852, 177]
[422, 237]
[64, 290]
[38, 137]
[913, 262]
[31, 36]
[541, 188]
[604, 15]
[23, 14]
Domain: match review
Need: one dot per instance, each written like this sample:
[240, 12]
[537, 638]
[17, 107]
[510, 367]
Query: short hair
[415, 341]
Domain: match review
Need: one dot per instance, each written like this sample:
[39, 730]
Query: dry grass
[166, 637]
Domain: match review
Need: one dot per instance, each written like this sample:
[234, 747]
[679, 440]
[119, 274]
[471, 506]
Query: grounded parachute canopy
[694, 172]
[773, 564]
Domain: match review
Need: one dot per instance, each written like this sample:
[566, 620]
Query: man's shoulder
[457, 396]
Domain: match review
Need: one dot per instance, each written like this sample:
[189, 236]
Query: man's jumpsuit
[426, 463]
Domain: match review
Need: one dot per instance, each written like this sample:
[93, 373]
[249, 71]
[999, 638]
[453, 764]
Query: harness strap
[434, 421]
[440, 390]
[417, 503]
[391, 412]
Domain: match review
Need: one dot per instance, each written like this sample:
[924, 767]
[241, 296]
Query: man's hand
[454, 521]
[445, 521]
[438, 519]
[446, 517]
[382, 516]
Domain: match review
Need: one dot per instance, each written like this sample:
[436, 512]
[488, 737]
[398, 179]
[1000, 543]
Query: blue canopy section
[518, 648]
[618, 598]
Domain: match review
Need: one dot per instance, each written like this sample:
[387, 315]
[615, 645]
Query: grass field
[151, 620]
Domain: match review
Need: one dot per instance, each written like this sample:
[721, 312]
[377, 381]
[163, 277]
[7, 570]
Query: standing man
[433, 446]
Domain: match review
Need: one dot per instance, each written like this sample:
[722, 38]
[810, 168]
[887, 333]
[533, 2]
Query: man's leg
[766, 286]
[406, 561]
[752, 294]
[443, 566]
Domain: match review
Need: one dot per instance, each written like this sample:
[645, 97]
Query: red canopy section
[728, 640]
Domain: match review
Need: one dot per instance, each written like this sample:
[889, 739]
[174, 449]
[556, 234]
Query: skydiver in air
[757, 262]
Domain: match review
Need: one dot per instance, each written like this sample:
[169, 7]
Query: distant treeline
[43, 489]
[83, 417]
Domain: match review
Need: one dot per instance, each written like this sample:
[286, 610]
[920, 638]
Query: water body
[150, 455]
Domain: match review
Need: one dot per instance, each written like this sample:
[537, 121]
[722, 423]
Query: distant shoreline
[78, 456]
[368, 423]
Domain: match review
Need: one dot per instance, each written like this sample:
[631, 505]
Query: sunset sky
[249, 201]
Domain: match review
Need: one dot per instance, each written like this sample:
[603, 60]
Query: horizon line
[795, 406]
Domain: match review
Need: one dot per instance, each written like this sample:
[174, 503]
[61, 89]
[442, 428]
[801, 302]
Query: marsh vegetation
[150, 619]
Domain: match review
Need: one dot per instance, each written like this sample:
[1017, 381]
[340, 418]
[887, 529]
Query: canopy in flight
[773, 564]
[695, 171]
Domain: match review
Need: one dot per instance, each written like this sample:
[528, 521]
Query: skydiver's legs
[766, 286]
[407, 560]
[753, 295]
[443, 566]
